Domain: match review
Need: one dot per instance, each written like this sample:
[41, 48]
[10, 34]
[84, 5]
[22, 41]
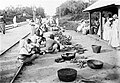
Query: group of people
[37, 44]
[111, 31]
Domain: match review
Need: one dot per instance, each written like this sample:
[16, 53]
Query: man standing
[2, 24]
[14, 21]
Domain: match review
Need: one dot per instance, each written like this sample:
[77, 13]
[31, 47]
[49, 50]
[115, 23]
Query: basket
[67, 74]
[95, 64]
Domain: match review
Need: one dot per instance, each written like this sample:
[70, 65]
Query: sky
[48, 5]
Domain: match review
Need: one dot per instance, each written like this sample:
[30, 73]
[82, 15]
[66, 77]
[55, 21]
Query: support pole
[90, 21]
[34, 14]
[119, 21]
[101, 27]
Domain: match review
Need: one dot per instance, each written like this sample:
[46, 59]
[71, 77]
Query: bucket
[96, 48]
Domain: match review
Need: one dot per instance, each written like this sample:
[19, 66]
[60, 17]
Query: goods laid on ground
[59, 60]
[63, 39]
[68, 56]
[66, 48]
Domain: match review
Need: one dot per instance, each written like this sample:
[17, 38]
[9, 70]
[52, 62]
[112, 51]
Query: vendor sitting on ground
[51, 45]
[44, 28]
[36, 38]
[27, 51]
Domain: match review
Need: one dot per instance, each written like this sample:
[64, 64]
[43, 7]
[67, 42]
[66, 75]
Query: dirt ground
[44, 69]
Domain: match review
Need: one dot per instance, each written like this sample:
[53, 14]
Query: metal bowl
[67, 74]
[95, 64]
[68, 56]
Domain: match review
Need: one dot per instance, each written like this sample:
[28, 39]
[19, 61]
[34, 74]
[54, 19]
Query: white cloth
[79, 28]
[106, 31]
[14, 21]
[114, 34]
[57, 21]
[23, 47]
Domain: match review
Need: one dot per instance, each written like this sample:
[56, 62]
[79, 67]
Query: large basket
[67, 74]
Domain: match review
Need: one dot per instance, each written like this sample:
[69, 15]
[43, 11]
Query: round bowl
[95, 64]
[67, 74]
[68, 56]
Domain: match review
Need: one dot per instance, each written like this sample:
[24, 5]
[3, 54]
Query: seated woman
[51, 45]
[27, 51]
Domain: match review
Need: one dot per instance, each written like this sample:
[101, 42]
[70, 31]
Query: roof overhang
[101, 4]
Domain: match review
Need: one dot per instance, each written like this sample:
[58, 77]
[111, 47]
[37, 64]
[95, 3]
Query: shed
[100, 6]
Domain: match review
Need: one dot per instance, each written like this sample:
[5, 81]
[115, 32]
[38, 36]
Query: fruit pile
[63, 39]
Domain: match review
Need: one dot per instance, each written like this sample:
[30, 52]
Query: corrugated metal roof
[102, 3]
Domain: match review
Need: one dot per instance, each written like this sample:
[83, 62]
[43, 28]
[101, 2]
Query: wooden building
[104, 5]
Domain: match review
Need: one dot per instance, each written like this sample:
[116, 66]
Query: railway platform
[13, 36]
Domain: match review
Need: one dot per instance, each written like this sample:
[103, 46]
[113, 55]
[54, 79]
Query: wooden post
[118, 52]
[90, 21]
[119, 21]
[101, 27]
[34, 14]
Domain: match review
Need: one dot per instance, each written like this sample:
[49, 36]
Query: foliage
[10, 12]
[74, 8]
[63, 39]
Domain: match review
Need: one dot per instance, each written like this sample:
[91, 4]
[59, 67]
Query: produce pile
[63, 39]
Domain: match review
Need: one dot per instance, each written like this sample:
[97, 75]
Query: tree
[74, 8]
[19, 10]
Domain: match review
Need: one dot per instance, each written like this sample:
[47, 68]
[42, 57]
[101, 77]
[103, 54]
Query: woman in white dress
[107, 30]
[114, 41]
[15, 22]
[79, 28]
